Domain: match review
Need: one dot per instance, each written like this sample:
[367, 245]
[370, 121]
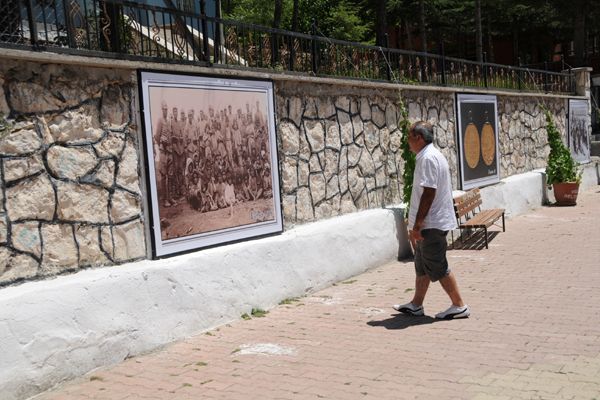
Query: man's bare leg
[421, 286]
[451, 287]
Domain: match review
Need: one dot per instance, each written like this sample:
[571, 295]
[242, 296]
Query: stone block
[71, 162]
[31, 199]
[288, 204]
[25, 236]
[346, 129]
[77, 126]
[332, 135]
[371, 136]
[105, 174]
[88, 240]
[111, 145]
[59, 251]
[15, 266]
[124, 206]
[129, 241]
[3, 228]
[317, 187]
[290, 138]
[128, 177]
[20, 168]
[20, 142]
[82, 203]
[315, 134]
[116, 106]
[378, 116]
[304, 208]
[289, 174]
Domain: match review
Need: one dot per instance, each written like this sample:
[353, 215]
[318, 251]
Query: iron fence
[118, 28]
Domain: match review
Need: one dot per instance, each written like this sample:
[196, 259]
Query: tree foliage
[532, 29]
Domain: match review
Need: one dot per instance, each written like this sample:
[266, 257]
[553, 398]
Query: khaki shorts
[430, 254]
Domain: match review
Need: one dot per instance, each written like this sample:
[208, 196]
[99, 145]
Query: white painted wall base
[59, 329]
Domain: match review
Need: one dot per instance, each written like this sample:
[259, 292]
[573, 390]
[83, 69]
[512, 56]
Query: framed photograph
[478, 139]
[212, 160]
[579, 130]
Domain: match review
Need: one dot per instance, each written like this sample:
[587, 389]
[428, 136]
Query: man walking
[430, 217]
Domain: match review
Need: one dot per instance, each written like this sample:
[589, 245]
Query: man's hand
[414, 236]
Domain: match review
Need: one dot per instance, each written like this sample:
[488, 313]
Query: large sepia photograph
[579, 130]
[478, 140]
[212, 160]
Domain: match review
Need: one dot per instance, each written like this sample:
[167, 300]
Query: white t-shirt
[432, 171]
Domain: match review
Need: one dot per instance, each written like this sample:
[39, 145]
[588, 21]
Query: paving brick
[532, 334]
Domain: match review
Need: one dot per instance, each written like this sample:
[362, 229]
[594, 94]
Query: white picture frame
[214, 178]
[477, 134]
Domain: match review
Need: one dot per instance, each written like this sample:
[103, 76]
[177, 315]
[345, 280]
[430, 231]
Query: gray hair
[423, 129]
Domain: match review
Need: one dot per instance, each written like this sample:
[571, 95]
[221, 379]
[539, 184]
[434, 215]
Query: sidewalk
[534, 332]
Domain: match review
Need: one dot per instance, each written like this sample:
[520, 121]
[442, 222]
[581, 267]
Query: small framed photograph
[579, 130]
[211, 158]
[478, 140]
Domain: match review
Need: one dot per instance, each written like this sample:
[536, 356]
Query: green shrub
[561, 166]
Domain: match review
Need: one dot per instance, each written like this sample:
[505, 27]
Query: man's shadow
[403, 321]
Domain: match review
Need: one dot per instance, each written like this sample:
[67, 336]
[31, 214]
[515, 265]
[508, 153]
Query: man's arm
[424, 206]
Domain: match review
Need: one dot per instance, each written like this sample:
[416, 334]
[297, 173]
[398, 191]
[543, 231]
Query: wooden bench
[469, 214]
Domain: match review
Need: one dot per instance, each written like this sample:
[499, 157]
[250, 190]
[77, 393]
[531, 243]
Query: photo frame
[579, 130]
[211, 157]
[479, 163]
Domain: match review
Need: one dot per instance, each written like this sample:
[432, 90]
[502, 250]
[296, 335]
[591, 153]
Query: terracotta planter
[565, 193]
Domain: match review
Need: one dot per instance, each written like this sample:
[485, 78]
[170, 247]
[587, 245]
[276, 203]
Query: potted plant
[407, 155]
[561, 172]
[409, 159]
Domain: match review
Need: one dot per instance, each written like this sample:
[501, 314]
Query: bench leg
[486, 238]
[503, 229]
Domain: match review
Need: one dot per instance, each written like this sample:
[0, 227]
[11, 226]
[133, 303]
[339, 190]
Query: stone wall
[70, 173]
[522, 139]
[69, 166]
[340, 146]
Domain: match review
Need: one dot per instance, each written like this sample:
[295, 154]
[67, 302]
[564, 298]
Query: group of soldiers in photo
[579, 135]
[212, 160]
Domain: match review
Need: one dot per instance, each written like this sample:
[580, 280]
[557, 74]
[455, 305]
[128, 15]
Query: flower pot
[565, 193]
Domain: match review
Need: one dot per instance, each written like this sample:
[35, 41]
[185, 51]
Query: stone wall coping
[17, 54]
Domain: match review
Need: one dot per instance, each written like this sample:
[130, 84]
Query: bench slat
[469, 203]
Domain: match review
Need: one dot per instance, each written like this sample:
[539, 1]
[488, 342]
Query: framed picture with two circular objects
[477, 139]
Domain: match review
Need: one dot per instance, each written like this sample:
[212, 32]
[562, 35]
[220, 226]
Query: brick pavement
[534, 332]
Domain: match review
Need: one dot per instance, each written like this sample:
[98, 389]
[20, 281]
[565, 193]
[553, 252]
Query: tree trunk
[295, 17]
[422, 27]
[277, 14]
[579, 32]
[490, 38]
[478, 32]
[409, 42]
[381, 23]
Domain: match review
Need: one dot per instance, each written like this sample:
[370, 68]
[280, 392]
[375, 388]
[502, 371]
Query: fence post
[69, 24]
[443, 53]
[274, 50]
[32, 26]
[519, 76]
[217, 33]
[314, 49]
[292, 51]
[483, 66]
[388, 63]
[205, 49]
[546, 76]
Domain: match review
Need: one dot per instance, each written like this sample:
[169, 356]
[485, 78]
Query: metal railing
[123, 29]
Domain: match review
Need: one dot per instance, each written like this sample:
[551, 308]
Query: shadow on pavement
[402, 321]
[474, 241]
